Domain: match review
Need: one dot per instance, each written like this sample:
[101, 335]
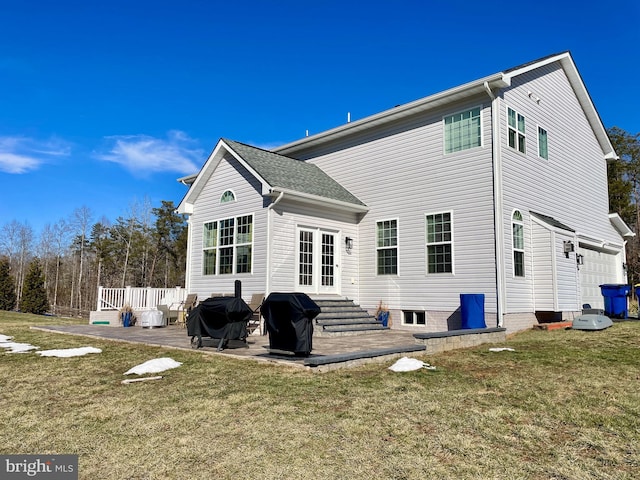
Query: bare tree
[81, 221]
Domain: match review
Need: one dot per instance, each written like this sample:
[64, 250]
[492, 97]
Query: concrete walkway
[328, 352]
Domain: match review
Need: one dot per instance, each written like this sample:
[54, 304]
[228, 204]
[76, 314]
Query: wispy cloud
[142, 154]
[23, 154]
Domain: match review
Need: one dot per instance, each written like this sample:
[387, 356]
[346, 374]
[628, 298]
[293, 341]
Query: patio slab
[328, 352]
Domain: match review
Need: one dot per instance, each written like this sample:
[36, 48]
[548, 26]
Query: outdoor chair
[185, 308]
[169, 315]
[255, 323]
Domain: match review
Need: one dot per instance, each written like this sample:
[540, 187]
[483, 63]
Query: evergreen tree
[34, 296]
[7, 286]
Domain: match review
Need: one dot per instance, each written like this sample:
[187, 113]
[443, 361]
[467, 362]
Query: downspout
[269, 225]
[498, 207]
[187, 273]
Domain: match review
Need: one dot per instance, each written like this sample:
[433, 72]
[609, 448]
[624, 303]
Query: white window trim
[538, 127]
[397, 247]
[235, 245]
[444, 129]
[514, 249]
[452, 242]
[235, 198]
[509, 127]
[414, 312]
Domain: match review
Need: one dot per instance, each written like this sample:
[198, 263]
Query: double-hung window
[439, 243]
[517, 239]
[462, 131]
[543, 146]
[227, 246]
[517, 132]
[387, 247]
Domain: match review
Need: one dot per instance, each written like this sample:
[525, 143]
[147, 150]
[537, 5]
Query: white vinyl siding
[409, 175]
[549, 187]
[462, 130]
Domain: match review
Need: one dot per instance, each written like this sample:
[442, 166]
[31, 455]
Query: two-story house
[498, 187]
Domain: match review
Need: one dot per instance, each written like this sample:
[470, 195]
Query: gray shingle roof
[552, 221]
[291, 174]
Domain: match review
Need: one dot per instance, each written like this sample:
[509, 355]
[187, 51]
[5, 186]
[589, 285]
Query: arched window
[517, 242]
[227, 196]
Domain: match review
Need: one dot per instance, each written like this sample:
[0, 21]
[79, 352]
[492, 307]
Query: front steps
[341, 316]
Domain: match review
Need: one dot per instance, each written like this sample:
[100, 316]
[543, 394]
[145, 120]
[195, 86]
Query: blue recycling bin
[615, 299]
[472, 310]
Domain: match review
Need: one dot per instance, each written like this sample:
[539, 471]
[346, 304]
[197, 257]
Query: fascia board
[319, 201]
[620, 225]
[448, 96]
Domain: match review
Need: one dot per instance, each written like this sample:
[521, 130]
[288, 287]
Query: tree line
[69, 259]
[624, 192]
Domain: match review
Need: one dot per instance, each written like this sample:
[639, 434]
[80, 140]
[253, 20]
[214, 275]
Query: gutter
[498, 207]
[269, 225]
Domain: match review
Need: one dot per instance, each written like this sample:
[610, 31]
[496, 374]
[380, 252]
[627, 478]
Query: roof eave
[621, 226]
[319, 201]
[469, 89]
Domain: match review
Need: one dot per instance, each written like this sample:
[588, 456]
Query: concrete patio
[328, 352]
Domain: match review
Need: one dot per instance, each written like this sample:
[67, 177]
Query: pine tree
[7, 287]
[34, 295]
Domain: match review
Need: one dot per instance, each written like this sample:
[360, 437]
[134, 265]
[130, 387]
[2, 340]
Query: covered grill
[223, 318]
[289, 320]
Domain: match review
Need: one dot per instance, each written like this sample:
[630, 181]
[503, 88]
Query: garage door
[599, 267]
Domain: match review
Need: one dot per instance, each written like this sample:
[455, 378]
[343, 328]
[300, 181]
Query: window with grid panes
[517, 230]
[439, 243]
[517, 130]
[227, 246]
[462, 131]
[387, 247]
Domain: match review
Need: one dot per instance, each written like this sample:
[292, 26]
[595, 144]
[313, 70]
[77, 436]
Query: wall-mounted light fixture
[624, 267]
[580, 259]
[568, 247]
[348, 243]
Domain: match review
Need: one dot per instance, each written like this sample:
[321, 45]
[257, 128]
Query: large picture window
[227, 246]
[387, 247]
[439, 236]
[517, 229]
[462, 131]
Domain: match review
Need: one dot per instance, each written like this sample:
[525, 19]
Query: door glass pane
[305, 261]
[327, 260]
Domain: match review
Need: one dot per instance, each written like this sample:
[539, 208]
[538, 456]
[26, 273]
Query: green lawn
[564, 405]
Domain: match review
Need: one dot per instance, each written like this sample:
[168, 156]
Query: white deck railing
[139, 298]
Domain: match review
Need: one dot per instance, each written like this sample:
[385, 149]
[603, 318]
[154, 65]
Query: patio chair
[169, 315]
[185, 308]
[255, 323]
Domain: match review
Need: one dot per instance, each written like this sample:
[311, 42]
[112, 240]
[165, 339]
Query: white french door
[317, 261]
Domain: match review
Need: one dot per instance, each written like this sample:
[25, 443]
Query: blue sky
[105, 103]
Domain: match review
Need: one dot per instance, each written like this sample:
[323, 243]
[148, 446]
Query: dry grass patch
[565, 404]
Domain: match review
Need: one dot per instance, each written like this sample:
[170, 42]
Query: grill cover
[220, 317]
[289, 320]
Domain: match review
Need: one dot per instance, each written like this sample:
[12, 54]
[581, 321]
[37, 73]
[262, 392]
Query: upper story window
[517, 133]
[462, 131]
[227, 246]
[543, 146]
[517, 239]
[439, 243]
[387, 247]
[228, 196]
